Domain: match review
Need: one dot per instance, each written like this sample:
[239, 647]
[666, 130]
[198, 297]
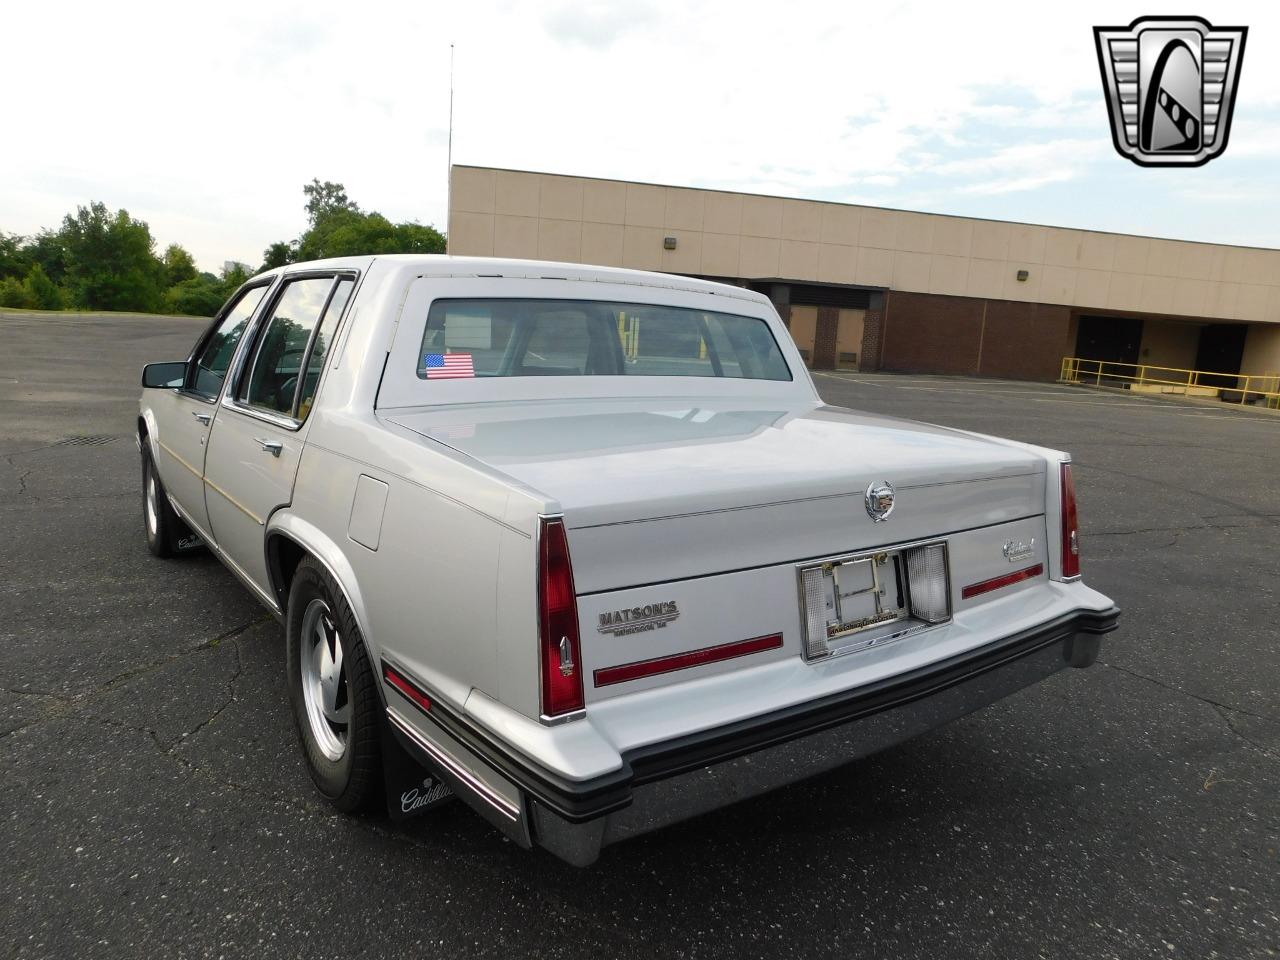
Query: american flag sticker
[448, 366]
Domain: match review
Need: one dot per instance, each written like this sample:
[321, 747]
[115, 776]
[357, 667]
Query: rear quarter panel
[429, 591]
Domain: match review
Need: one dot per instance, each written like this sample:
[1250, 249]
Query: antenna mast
[448, 174]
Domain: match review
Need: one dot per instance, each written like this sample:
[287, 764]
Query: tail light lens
[1070, 526]
[558, 624]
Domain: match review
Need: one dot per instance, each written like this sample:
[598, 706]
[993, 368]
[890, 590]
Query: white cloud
[596, 24]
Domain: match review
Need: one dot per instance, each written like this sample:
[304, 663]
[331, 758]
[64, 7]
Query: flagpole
[448, 173]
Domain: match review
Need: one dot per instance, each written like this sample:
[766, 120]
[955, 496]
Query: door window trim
[254, 319]
[258, 330]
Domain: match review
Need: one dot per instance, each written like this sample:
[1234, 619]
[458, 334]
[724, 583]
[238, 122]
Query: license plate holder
[854, 602]
[865, 593]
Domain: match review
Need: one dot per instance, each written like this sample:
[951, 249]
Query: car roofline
[444, 265]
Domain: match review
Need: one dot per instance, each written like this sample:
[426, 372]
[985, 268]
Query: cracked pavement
[154, 802]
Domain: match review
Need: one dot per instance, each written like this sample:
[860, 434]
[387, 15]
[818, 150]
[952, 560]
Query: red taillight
[558, 624]
[997, 583]
[1070, 526]
[683, 661]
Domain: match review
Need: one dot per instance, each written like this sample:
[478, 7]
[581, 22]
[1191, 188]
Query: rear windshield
[588, 338]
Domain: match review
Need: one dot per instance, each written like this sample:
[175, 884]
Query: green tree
[326, 199]
[200, 296]
[42, 292]
[233, 277]
[339, 228]
[14, 293]
[178, 265]
[111, 261]
[415, 237]
[203, 294]
[277, 255]
[14, 259]
[372, 233]
[49, 250]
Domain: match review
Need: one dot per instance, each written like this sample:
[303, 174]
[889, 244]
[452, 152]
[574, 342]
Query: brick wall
[1025, 341]
[925, 333]
[824, 339]
[928, 333]
[872, 332]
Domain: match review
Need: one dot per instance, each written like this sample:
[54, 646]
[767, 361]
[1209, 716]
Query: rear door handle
[202, 417]
[272, 447]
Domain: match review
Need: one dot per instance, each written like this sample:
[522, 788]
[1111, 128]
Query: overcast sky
[206, 125]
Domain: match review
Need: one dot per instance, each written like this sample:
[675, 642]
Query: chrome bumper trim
[700, 788]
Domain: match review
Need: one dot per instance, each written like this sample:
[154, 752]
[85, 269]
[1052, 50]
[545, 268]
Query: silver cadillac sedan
[583, 547]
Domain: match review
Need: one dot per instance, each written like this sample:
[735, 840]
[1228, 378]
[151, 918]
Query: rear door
[257, 438]
[183, 416]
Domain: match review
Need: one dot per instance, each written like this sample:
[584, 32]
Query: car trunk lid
[654, 491]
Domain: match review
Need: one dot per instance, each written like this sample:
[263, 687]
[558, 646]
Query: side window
[277, 365]
[322, 343]
[214, 358]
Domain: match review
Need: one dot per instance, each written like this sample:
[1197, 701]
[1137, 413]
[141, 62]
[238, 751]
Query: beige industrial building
[877, 289]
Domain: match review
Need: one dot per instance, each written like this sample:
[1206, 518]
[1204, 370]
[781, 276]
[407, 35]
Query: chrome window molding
[271, 284]
[249, 345]
[266, 416]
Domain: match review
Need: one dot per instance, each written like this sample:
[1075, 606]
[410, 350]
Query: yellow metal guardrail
[1148, 378]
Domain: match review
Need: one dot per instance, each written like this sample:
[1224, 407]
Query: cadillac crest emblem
[879, 500]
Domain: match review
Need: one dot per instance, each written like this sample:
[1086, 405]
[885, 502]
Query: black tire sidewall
[173, 536]
[349, 782]
[161, 543]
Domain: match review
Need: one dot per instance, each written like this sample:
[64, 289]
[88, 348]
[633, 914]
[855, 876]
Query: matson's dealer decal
[636, 619]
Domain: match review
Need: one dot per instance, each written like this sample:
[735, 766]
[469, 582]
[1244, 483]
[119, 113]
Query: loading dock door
[849, 338]
[1113, 339]
[804, 326]
[1221, 350]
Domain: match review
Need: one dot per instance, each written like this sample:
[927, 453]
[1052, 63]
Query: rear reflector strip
[986, 586]
[403, 686]
[683, 661]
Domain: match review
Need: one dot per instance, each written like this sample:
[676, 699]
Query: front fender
[148, 417]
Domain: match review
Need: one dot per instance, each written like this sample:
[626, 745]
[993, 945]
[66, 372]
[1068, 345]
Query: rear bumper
[678, 779]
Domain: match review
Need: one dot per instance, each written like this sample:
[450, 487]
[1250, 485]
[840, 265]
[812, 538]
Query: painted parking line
[891, 379]
[1097, 403]
[907, 382]
[1062, 395]
[943, 386]
[965, 390]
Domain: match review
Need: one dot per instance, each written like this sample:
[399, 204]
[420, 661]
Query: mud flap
[411, 788]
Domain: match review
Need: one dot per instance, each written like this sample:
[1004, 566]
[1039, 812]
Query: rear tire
[167, 534]
[332, 689]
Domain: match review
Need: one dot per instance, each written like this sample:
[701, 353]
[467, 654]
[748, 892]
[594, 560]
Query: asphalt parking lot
[154, 802]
